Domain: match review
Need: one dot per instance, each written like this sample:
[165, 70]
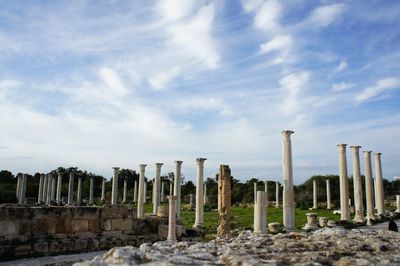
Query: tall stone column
[23, 195]
[59, 182]
[103, 191]
[315, 195]
[71, 188]
[40, 192]
[135, 192]
[162, 198]
[199, 220]
[260, 213]
[145, 191]
[369, 191]
[380, 204]
[266, 191]
[328, 194]
[177, 187]
[277, 194]
[224, 179]
[114, 189]
[358, 197]
[44, 195]
[53, 188]
[91, 187]
[288, 192]
[171, 189]
[205, 193]
[344, 184]
[172, 219]
[397, 203]
[49, 188]
[255, 191]
[79, 191]
[18, 190]
[141, 193]
[125, 192]
[219, 189]
[156, 188]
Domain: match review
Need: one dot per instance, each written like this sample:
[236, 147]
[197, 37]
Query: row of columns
[266, 191]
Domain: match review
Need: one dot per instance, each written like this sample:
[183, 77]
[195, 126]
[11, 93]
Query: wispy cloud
[342, 86]
[380, 87]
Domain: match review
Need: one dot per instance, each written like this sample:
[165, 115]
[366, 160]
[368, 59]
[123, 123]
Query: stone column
[192, 201]
[53, 188]
[23, 194]
[59, 182]
[18, 190]
[49, 187]
[277, 194]
[162, 198]
[288, 193]
[266, 191]
[135, 192]
[114, 189]
[171, 189]
[172, 219]
[219, 188]
[177, 187]
[260, 213]
[141, 192]
[103, 191]
[255, 191]
[145, 190]
[397, 203]
[91, 201]
[369, 191]
[199, 220]
[358, 197]
[205, 193]
[344, 184]
[44, 195]
[79, 191]
[125, 192]
[380, 204]
[156, 188]
[315, 195]
[71, 188]
[224, 194]
[328, 194]
[40, 192]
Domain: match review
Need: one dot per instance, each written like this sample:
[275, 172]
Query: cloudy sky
[97, 84]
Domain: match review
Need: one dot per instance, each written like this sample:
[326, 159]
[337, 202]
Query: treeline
[242, 192]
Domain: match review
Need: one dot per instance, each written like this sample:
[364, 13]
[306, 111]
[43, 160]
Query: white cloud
[291, 86]
[9, 84]
[381, 86]
[251, 5]
[277, 43]
[160, 80]
[113, 81]
[324, 16]
[268, 16]
[342, 66]
[342, 86]
[175, 9]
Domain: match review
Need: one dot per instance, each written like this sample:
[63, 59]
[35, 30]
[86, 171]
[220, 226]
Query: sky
[97, 84]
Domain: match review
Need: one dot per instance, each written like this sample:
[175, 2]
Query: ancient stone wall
[31, 230]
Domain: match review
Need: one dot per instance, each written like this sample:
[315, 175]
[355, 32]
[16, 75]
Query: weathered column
[205, 193]
[397, 203]
[135, 192]
[328, 194]
[199, 221]
[266, 191]
[172, 219]
[71, 188]
[156, 188]
[18, 190]
[177, 187]
[344, 184]
[380, 204]
[24, 180]
[53, 188]
[49, 187]
[219, 188]
[315, 195]
[224, 179]
[162, 198]
[145, 191]
[358, 197]
[288, 193]
[141, 192]
[44, 195]
[369, 191]
[114, 189]
[103, 191]
[91, 187]
[79, 191]
[277, 194]
[125, 192]
[260, 213]
[171, 189]
[59, 182]
[40, 192]
[255, 191]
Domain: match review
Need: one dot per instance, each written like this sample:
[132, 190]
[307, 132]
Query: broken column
[358, 197]
[288, 192]
[103, 191]
[172, 219]
[344, 184]
[114, 189]
[141, 194]
[369, 191]
[79, 191]
[40, 192]
[156, 188]
[225, 195]
[71, 187]
[266, 191]
[219, 184]
[277, 194]
[328, 194]
[311, 222]
[199, 219]
[59, 183]
[380, 204]
[397, 203]
[260, 213]
[315, 200]
[125, 191]
[177, 187]
[91, 187]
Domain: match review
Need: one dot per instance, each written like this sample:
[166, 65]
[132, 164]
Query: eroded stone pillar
[344, 184]
[103, 191]
[380, 204]
[171, 189]
[141, 192]
[135, 192]
[255, 191]
[369, 191]
[49, 188]
[125, 192]
[114, 189]
[266, 191]
[162, 198]
[91, 187]
[172, 219]
[199, 219]
[23, 194]
[177, 187]
[288, 192]
[79, 191]
[156, 188]
[225, 196]
[219, 184]
[260, 213]
[40, 192]
[328, 194]
[357, 185]
[315, 195]
[44, 195]
[53, 188]
[59, 183]
[71, 188]
[277, 194]
[204, 193]
[397, 203]
[145, 191]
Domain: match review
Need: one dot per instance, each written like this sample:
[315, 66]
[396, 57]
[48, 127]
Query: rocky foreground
[327, 246]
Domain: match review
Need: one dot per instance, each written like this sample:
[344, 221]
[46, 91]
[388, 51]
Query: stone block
[8, 228]
[23, 250]
[121, 224]
[80, 244]
[79, 225]
[93, 244]
[41, 248]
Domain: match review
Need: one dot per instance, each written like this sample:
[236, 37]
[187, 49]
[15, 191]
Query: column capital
[287, 132]
[377, 154]
[115, 168]
[367, 152]
[142, 166]
[178, 162]
[327, 180]
[342, 145]
[159, 164]
[200, 160]
[355, 147]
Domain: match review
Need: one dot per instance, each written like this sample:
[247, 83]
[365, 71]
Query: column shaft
[103, 190]
[53, 187]
[141, 193]
[135, 191]
[124, 195]
[177, 187]
[315, 195]
[79, 191]
[71, 188]
[224, 179]
[328, 194]
[205, 193]
[172, 219]
[288, 192]
[369, 191]
[344, 184]
[40, 192]
[199, 221]
[162, 198]
[260, 213]
[59, 183]
[91, 187]
[44, 195]
[114, 191]
[156, 188]
[277, 194]
[357, 185]
[49, 188]
[380, 204]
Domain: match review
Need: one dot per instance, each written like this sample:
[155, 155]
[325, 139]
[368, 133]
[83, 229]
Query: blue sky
[97, 84]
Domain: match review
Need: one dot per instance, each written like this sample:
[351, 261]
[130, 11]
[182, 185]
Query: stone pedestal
[277, 194]
[273, 227]
[71, 188]
[172, 219]
[260, 213]
[344, 184]
[311, 222]
[176, 189]
[380, 204]
[328, 194]
[141, 192]
[315, 195]
[114, 191]
[225, 196]
[369, 191]
[199, 219]
[156, 188]
[358, 197]
[288, 192]
[323, 221]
